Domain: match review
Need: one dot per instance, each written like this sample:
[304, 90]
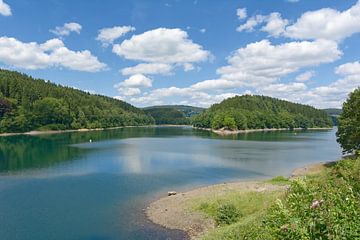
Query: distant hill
[173, 114]
[258, 112]
[334, 113]
[28, 104]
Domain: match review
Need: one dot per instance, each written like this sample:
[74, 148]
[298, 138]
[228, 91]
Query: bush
[226, 214]
[326, 207]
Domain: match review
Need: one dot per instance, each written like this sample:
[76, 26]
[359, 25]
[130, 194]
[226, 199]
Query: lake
[63, 186]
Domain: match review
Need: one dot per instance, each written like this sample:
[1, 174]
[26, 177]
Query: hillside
[259, 112]
[29, 104]
[173, 114]
[334, 113]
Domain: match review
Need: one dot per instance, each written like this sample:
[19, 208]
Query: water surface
[65, 187]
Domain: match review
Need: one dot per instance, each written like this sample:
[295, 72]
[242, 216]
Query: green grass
[234, 209]
[279, 180]
[322, 206]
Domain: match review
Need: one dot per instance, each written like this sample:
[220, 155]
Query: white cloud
[148, 68]
[188, 67]
[161, 45]
[203, 30]
[137, 80]
[5, 9]
[275, 24]
[241, 13]
[326, 23]
[251, 23]
[52, 53]
[281, 89]
[67, 29]
[293, 1]
[133, 85]
[261, 62]
[349, 69]
[306, 76]
[107, 36]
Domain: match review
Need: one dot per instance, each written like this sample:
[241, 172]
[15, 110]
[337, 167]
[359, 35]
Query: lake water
[63, 186]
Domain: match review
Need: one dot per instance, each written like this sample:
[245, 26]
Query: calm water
[64, 187]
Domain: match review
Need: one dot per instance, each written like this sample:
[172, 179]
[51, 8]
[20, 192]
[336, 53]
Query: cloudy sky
[194, 52]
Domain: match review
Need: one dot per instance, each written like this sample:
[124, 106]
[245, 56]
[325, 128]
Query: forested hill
[173, 114]
[29, 104]
[258, 112]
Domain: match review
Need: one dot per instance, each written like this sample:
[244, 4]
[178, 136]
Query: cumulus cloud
[258, 67]
[326, 23]
[241, 13]
[251, 23]
[52, 53]
[66, 29]
[161, 45]
[148, 68]
[261, 62]
[107, 36]
[349, 69]
[133, 85]
[5, 9]
[306, 76]
[275, 24]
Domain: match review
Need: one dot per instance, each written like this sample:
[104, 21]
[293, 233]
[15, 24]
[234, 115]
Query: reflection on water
[96, 190]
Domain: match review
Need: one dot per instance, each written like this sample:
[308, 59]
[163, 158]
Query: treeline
[28, 104]
[259, 112]
[168, 115]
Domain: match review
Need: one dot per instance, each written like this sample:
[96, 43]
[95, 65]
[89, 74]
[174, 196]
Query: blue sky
[195, 52]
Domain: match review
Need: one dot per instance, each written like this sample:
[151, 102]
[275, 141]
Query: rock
[170, 193]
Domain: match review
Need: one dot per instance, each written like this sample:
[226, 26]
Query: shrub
[226, 214]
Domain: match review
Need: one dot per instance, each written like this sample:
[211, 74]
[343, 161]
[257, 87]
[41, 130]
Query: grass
[279, 180]
[325, 205]
[236, 208]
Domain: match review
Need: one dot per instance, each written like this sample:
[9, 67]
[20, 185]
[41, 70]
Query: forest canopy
[34, 104]
[260, 112]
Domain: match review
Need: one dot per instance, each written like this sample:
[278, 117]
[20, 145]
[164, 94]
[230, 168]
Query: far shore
[225, 132]
[35, 132]
[219, 131]
[176, 211]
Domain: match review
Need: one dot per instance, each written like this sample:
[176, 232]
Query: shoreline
[223, 132]
[35, 132]
[175, 212]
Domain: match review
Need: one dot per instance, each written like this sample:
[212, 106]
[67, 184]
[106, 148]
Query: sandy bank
[176, 212]
[225, 132]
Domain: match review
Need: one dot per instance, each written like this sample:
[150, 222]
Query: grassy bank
[325, 205]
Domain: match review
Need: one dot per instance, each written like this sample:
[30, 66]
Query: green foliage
[226, 214]
[28, 104]
[349, 124]
[324, 206]
[259, 112]
[281, 180]
[168, 116]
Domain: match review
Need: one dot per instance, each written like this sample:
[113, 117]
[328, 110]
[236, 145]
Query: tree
[229, 122]
[348, 134]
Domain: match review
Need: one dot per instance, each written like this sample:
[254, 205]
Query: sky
[192, 52]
